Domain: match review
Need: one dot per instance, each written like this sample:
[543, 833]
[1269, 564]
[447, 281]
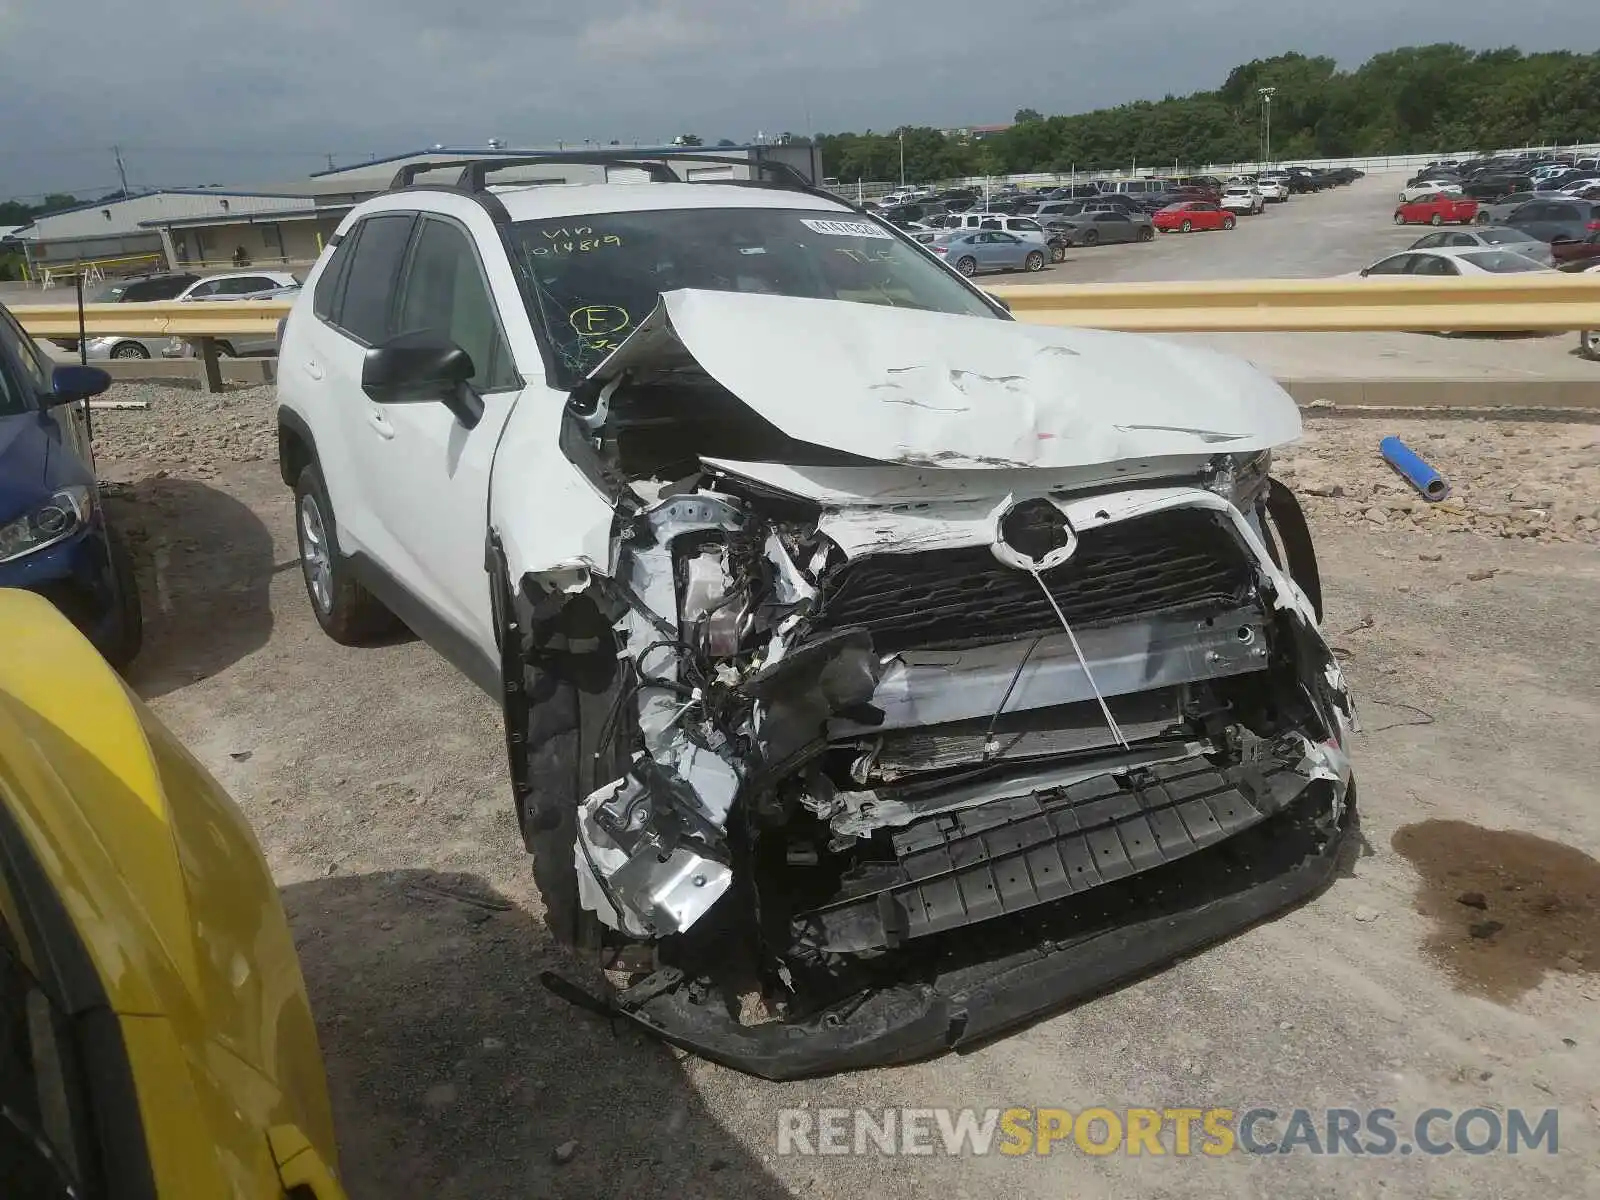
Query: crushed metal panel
[937, 390]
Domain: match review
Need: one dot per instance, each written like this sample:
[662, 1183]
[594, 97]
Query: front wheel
[1227, 222]
[1483, 218]
[128, 635]
[1058, 254]
[347, 612]
[1589, 344]
[1147, 234]
[1399, 218]
[1091, 236]
[967, 266]
[1436, 220]
[1034, 261]
[129, 350]
[1187, 226]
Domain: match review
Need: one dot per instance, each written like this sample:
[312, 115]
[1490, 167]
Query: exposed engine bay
[907, 755]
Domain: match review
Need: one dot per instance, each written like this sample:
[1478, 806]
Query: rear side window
[372, 276]
[325, 300]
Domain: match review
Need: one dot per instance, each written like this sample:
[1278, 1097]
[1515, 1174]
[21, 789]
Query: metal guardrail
[1548, 303]
[211, 318]
[1553, 302]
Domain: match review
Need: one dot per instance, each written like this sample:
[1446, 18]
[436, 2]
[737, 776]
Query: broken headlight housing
[1241, 479]
[58, 518]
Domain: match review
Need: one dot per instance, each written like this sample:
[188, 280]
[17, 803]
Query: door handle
[313, 369]
[379, 422]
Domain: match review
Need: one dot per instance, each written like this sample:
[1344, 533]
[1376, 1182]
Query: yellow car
[155, 1037]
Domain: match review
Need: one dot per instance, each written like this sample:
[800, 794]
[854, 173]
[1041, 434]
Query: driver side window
[444, 290]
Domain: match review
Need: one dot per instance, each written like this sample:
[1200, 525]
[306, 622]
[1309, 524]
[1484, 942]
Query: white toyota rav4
[878, 672]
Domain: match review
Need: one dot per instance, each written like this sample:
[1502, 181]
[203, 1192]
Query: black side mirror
[74, 382]
[423, 367]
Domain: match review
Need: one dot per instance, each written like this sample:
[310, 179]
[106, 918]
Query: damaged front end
[906, 757]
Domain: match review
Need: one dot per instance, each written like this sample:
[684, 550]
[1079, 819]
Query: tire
[1187, 227]
[1399, 218]
[1436, 220]
[1034, 261]
[1058, 254]
[1147, 234]
[347, 612]
[968, 266]
[1228, 222]
[1483, 219]
[128, 638]
[225, 349]
[557, 726]
[1091, 236]
[129, 350]
[1589, 344]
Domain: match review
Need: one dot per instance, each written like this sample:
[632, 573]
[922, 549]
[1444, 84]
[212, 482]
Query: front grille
[1178, 559]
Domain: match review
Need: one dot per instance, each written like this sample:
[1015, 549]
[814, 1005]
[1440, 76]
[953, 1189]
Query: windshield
[590, 280]
[1503, 262]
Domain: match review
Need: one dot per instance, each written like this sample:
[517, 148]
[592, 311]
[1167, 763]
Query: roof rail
[473, 172]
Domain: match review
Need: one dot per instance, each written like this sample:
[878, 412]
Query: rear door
[354, 306]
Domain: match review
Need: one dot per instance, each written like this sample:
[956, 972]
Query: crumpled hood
[931, 389]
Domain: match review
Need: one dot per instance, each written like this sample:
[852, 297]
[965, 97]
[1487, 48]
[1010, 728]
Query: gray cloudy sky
[235, 93]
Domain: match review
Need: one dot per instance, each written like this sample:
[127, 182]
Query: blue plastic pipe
[1413, 470]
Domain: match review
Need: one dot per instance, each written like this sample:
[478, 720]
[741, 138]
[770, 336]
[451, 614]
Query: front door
[428, 473]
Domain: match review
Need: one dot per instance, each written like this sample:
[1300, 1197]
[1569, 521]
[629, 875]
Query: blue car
[990, 250]
[54, 537]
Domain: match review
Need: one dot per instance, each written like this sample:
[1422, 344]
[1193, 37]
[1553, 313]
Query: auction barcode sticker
[847, 229]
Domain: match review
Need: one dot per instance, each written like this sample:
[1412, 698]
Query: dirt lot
[1452, 966]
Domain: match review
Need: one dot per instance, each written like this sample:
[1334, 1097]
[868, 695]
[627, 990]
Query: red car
[1437, 208]
[1576, 256]
[1191, 214]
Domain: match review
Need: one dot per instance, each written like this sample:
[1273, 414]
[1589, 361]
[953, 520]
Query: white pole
[902, 160]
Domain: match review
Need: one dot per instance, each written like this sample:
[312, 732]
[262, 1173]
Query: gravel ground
[1454, 964]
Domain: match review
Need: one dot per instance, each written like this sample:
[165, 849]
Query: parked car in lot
[1274, 187]
[1303, 180]
[1502, 236]
[1242, 199]
[1189, 215]
[1437, 208]
[980, 250]
[235, 285]
[1576, 255]
[1455, 260]
[748, 516]
[1557, 220]
[1491, 189]
[237, 344]
[157, 1037]
[1423, 189]
[1495, 212]
[55, 536]
[1026, 228]
[1092, 228]
[136, 290]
